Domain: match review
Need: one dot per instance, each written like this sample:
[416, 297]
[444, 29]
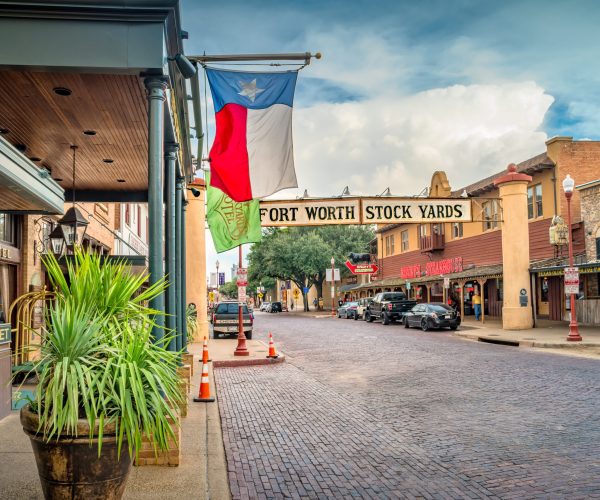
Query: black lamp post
[568, 185]
[57, 240]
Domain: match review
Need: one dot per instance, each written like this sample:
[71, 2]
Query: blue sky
[406, 88]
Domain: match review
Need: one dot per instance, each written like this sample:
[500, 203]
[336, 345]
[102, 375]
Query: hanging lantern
[74, 226]
[57, 240]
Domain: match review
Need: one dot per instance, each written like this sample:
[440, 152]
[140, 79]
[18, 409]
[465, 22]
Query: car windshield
[230, 308]
[393, 296]
[439, 308]
[351, 304]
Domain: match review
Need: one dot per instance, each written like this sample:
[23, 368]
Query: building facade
[452, 261]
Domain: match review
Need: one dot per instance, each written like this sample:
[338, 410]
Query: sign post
[571, 280]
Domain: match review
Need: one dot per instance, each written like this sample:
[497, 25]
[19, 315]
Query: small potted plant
[103, 383]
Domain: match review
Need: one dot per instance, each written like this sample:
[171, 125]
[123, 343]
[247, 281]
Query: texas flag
[252, 154]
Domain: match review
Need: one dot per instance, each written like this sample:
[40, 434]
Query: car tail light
[389, 307]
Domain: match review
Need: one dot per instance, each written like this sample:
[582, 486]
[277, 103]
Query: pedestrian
[477, 305]
[315, 302]
[320, 303]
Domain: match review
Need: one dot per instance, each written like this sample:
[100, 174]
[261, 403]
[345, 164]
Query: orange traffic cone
[205, 358]
[272, 353]
[204, 394]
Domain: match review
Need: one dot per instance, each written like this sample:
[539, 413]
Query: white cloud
[468, 131]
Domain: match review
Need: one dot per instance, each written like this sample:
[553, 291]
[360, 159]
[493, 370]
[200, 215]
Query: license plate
[448, 316]
[232, 328]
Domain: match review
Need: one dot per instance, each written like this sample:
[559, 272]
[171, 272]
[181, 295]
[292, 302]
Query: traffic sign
[446, 282]
[571, 280]
[260, 295]
[211, 296]
[242, 294]
[296, 293]
[305, 289]
[362, 268]
[242, 276]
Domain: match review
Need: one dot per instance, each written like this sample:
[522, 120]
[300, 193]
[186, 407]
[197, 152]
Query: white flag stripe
[270, 151]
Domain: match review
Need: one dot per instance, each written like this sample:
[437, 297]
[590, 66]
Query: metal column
[178, 211]
[170, 247]
[183, 262]
[156, 86]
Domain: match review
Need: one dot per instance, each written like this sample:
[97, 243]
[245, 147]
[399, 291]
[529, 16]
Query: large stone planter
[69, 468]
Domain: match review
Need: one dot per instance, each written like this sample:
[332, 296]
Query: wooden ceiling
[47, 124]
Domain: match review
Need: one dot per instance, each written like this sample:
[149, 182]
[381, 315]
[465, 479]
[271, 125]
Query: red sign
[410, 272]
[242, 276]
[445, 266]
[571, 280]
[362, 268]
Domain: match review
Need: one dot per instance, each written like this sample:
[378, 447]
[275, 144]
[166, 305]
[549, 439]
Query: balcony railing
[432, 243]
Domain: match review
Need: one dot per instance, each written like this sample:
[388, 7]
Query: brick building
[422, 259]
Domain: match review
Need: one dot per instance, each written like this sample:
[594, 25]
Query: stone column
[196, 256]
[515, 250]
[156, 86]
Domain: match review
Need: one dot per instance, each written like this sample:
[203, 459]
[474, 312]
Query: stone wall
[590, 212]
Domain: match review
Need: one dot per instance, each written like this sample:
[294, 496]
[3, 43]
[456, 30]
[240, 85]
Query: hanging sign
[242, 276]
[362, 268]
[372, 210]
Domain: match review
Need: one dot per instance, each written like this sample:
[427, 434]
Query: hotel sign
[376, 210]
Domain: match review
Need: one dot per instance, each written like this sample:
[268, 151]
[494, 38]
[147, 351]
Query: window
[404, 238]
[490, 215]
[534, 201]
[139, 221]
[389, 245]
[8, 229]
[127, 214]
[457, 230]
[422, 230]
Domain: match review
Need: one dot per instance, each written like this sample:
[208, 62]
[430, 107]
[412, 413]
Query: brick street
[370, 411]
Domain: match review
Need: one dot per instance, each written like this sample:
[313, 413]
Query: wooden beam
[107, 196]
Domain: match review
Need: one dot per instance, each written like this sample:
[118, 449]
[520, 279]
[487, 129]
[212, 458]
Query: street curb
[525, 343]
[231, 363]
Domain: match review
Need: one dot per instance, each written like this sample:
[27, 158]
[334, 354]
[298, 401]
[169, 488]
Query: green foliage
[302, 254]
[191, 319]
[229, 289]
[98, 361]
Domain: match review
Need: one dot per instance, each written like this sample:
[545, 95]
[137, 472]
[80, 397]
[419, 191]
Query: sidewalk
[202, 472]
[550, 335]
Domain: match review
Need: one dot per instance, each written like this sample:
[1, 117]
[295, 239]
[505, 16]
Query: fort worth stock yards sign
[322, 211]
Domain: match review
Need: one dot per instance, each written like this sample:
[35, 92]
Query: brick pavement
[371, 411]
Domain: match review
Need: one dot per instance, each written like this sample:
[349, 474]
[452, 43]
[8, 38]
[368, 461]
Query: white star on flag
[250, 90]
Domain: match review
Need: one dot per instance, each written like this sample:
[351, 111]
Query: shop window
[404, 238]
[8, 229]
[544, 290]
[490, 214]
[534, 202]
[457, 230]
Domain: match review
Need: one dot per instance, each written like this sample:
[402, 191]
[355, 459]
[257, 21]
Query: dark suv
[275, 307]
[225, 320]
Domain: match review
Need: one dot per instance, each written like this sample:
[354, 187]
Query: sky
[406, 88]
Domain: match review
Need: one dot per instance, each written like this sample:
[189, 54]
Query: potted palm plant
[103, 384]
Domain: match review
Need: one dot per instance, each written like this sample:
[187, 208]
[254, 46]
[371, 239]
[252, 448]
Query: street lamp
[332, 286]
[568, 185]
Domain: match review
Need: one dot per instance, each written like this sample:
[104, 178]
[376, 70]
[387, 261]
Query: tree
[229, 289]
[302, 254]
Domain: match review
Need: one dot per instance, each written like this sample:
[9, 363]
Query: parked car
[432, 315]
[348, 310]
[361, 309]
[389, 307]
[225, 320]
[264, 306]
[274, 307]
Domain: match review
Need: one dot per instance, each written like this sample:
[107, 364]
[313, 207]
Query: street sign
[336, 274]
[221, 279]
[242, 276]
[446, 283]
[362, 268]
[242, 294]
[571, 280]
[296, 293]
[408, 285]
[211, 296]
[260, 295]
[305, 289]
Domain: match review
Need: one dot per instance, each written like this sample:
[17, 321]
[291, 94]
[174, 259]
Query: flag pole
[241, 349]
[296, 56]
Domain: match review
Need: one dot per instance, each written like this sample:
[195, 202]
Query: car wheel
[425, 325]
[406, 325]
[355, 316]
[385, 319]
[249, 335]
[368, 318]
[454, 327]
